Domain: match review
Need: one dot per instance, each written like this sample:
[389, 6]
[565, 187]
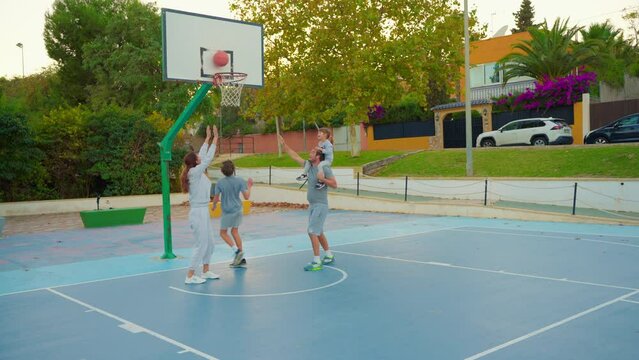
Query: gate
[455, 132]
[604, 113]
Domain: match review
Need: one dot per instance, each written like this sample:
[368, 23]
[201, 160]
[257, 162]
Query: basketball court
[401, 286]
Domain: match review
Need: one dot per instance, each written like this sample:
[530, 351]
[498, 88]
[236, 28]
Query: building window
[485, 74]
[477, 76]
[489, 74]
[492, 75]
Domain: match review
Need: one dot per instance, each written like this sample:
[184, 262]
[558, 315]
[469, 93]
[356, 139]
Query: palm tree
[549, 52]
[612, 53]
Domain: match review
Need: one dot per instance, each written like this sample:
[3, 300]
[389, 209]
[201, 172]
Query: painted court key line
[135, 328]
[500, 272]
[344, 276]
[533, 333]
[551, 326]
[547, 236]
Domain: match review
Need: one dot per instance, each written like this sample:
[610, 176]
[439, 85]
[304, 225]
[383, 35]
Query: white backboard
[189, 41]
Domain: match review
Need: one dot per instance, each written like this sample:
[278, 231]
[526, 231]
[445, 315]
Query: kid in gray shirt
[324, 143]
[229, 188]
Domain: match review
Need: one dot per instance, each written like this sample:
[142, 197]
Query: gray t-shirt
[313, 195]
[230, 187]
[327, 150]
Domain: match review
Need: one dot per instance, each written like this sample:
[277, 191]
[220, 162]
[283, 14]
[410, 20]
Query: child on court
[230, 187]
[324, 143]
[197, 184]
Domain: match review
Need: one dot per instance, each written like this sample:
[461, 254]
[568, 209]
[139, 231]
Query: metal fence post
[269, 174]
[358, 183]
[406, 189]
[485, 192]
[574, 200]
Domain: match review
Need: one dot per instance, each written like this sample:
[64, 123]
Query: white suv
[535, 131]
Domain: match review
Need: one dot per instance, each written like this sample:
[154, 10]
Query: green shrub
[22, 176]
[122, 153]
[408, 109]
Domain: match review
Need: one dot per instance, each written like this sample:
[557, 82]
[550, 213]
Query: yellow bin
[246, 208]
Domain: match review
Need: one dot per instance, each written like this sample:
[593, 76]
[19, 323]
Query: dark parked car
[625, 129]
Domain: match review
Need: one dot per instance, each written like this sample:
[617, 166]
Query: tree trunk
[277, 131]
[352, 136]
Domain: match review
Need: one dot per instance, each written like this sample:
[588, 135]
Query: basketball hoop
[230, 84]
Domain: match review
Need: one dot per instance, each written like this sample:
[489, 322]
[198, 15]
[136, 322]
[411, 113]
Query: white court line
[219, 262]
[501, 272]
[344, 277]
[546, 236]
[630, 301]
[92, 281]
[558, 231]
[129, 325]
[549, 327]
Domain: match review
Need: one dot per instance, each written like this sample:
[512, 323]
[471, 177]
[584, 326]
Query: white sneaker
[210, 275]
[239, 255]
[194, 280]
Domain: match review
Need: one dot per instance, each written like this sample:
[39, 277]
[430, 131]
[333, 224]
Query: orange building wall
[577, 127]
[410, 143]
[494, 49]
[491, 50]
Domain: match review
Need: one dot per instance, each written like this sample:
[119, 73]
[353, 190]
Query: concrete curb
[76, 205]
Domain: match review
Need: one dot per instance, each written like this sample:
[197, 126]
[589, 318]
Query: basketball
[220, 58]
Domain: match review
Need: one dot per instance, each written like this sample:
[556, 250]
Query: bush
[62, 136]
[407, 110]
[22, 176]
[549, 93]
[123, 154]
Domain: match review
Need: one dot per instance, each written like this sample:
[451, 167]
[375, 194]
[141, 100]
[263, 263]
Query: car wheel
[487, 143]
[539, 141]
[600, 140]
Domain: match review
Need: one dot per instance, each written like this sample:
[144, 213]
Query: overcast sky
[23, 22]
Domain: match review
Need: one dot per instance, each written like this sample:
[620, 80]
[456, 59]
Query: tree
[550, 52]
[632, 18]
[33, 95]
[110, 52]
[61, 135]
[68, 28]
[21, 174]
[122, 152]
[612, 54]
[524, 18]
[326, 58]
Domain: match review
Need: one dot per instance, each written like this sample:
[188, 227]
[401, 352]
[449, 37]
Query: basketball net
[230, 84]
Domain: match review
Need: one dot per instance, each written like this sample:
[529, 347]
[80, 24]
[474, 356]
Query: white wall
[350, 202]
[341, 138]
[595, 194]
[75, 205]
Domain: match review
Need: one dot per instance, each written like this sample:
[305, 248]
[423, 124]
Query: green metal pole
[165, 157]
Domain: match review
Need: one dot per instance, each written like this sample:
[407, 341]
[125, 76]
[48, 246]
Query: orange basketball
[221, 58]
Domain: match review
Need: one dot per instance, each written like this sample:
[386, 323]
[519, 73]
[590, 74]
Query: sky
[23, 22]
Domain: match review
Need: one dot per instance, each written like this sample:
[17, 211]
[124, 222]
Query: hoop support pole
[165, 158]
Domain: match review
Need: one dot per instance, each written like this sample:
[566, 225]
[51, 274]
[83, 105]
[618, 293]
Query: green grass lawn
[617, 161]
[342, 158]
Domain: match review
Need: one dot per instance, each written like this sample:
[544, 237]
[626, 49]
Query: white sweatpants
[202, 227]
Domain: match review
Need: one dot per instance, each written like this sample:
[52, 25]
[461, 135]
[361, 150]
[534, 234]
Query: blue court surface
[402, 286]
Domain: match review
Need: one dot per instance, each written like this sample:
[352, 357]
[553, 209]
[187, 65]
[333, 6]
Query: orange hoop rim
[223, 78]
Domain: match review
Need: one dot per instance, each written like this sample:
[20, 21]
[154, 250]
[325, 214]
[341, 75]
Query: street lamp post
[469, 127]
[22, 49]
